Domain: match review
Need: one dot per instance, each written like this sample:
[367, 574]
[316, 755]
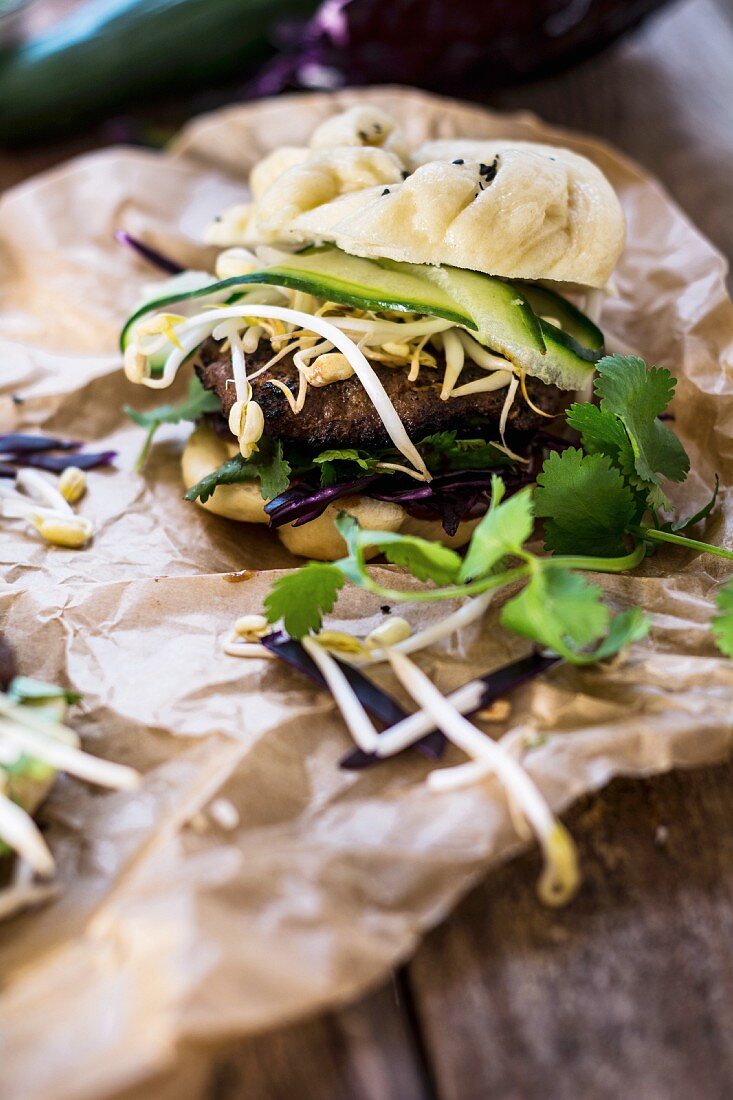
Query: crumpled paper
[162, 934]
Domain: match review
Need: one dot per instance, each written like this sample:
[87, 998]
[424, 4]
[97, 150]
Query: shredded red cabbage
[497, 684]
[450, 498]
[152, 255]
[21, 449]
[56, 464]
[20, 442]
[302, 502]
[373, 698]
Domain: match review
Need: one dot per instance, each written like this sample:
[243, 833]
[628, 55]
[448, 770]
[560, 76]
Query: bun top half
[516, 209]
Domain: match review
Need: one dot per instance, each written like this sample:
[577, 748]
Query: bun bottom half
[318, 539]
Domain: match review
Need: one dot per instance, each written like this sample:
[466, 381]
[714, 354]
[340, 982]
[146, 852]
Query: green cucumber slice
[215, 291]
[566, 363]
[547, 303]
[506, 322]
[351, 280]
[495, 311]
[335, 276]
[502, 316]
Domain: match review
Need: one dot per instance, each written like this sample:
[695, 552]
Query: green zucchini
[106, 54]
[504, 313]
[336, 276]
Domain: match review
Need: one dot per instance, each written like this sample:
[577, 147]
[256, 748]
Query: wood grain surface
[628, 993]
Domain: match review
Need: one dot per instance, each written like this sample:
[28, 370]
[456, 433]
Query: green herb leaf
[303, 597]
[443, 451]
[425, 559]
[637, 395]
[722, 625]
[586, 504]
[626, 627]
[197, 402]
[503, 531]
[231, 472]
[563, 611]
[267, 464]
[703, 513]
[428, 561]
[273, 469]
[347, 454]
[601, 432]
[558, 609]
[331, 474]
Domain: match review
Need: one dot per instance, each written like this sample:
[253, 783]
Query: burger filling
[331, 383]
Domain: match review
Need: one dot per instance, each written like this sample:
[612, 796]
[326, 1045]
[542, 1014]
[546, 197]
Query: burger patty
[341, 414]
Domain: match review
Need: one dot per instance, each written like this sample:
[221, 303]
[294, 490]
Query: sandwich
[385, 327]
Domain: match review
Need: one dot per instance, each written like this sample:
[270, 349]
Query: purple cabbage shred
[450, 498]
[152, 255]
[55, 464]
[21, 449]
[20, 443]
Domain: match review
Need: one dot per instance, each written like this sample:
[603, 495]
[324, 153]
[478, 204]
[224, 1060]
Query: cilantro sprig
[607, 494]
[556, 607]
[601, 503]
[274, 464]
[197, 402]
[267, 463]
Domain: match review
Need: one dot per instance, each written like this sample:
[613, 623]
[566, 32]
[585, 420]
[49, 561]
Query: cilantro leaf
[558, 609]
[586, 504]
[347, 454]
[303, 597]
[626, 627]
[601, 432]
[703, 513]
[273, 469]
[563, 611]
[425, 559]
[267, 464]
[444, 451]
[231, 472]
[197, 402]
[440, 442]
[722, 625]
[349, 529]
[502, 531]
[637, 395]
[330, 474]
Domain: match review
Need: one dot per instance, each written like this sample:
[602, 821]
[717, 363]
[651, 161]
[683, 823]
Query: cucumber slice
[566, 363]
[547, 303]
[351, 280]
[334, 276]
[495, 311]
[507, 323]
[502, 317]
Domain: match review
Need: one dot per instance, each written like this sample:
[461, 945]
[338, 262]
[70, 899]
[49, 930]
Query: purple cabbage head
[467, 47]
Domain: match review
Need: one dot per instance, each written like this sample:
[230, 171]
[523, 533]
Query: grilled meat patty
[342, 415]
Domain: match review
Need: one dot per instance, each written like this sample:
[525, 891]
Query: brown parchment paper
[162, 935]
